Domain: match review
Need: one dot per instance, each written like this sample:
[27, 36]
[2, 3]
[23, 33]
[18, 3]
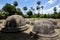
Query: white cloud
[51, 9]
[51, 1]
[1, 5]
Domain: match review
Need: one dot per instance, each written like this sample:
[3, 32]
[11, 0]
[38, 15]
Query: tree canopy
[38, 3]
[15, 3]
[25, 8]
[29, 13]
[9, 8]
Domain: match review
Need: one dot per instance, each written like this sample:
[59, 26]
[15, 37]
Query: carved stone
[45, 29]
[15, 23]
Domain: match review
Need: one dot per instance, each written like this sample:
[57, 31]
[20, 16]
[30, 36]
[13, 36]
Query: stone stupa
[44, 30]
[15, 23]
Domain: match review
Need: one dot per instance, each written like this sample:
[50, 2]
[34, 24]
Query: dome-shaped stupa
[15, 23]
[45, 29]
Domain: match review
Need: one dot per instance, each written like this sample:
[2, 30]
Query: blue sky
[48, 4]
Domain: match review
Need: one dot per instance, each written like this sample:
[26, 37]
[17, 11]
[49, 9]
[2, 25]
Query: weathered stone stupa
[45, 29]
[15, 23]
[14, 29]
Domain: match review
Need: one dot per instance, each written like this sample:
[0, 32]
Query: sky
[48, 4]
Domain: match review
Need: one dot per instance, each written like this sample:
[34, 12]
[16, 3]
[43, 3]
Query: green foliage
[42, 7]
[29, 13]
[9, 8]
[55, 9]
[37, 7]
[25, 8]
[58, 15]
[19, 12]
[38, 15]
[33, 9]
[15, 3]
[45, 15]
[2, 15]
[38, 3]
[41, 15]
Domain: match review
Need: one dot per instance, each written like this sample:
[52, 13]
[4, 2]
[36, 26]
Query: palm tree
[38, 2]
[25, 9]
[19, 12]
[59, 6]
[33, 9]
[55, 9]
[42, 9]
[38, 7]
[29, 13]
[15, 3]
